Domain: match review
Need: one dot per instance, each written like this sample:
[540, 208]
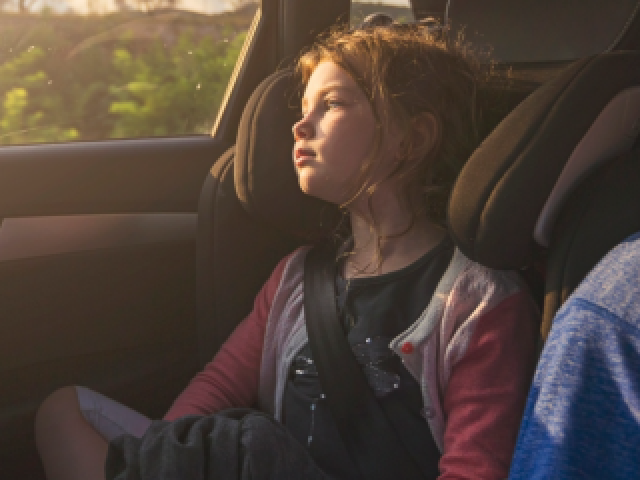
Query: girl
[387, 122]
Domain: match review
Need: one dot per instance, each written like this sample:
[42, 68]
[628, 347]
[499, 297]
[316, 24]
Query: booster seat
[516, 197]
[504, 211]
[251, 213]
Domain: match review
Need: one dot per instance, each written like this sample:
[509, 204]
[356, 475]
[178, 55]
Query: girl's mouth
[302, 156]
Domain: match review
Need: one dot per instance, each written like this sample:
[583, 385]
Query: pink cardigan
[472, 351]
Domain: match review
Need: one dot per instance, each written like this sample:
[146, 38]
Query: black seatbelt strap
[369, 437]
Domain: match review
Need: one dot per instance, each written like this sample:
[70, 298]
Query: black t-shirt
[373, 310]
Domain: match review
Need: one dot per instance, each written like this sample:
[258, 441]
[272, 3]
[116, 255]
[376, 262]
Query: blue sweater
[582, 418]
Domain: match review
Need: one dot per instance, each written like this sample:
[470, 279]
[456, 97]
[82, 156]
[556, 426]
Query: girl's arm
[487, 391]
[231, 378]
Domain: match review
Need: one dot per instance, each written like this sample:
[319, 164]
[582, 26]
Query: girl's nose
[302, 129]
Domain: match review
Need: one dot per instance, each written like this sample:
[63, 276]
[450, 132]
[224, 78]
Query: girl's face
[335, 135]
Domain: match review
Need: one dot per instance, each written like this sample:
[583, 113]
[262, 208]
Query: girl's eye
[333, 103]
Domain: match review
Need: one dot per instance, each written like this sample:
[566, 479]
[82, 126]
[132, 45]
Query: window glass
[80, 70]
[399, 10]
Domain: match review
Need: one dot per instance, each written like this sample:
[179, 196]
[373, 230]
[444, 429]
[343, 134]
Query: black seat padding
[524, 188]
[251, 214]
[601, 213]
[514, 30]
[234, 255]
[266, 182]
[500, 193]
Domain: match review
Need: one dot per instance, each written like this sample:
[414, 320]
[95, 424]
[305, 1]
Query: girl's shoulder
[485, 303]
[474, 294]
[463, 279]
[461, 274]
[288, 275]
[292, 265]
[472, 278]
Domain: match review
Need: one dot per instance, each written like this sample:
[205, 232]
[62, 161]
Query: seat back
[511, 203]
[601, 213]
[251, 214]
[234, 255]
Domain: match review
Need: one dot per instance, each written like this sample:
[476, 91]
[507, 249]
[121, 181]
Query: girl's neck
[384, 248]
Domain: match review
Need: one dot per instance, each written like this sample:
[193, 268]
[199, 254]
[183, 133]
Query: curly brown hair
[408, 71]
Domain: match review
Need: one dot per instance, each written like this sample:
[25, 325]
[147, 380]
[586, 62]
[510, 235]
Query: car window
[399, 10]
[83, 70]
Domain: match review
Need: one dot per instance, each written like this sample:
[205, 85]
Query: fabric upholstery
[500, 193]
[602, 212]
[265, 178]
[234, 256]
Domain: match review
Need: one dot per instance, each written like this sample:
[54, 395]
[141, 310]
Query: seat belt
[370, 439]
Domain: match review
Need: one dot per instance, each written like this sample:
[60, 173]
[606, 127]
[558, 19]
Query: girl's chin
[307, 183]
[320, 186]
[308, 188]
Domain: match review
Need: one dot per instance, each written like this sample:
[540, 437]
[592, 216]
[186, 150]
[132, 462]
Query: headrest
[586, 115]
[540, 31]
[265, 179]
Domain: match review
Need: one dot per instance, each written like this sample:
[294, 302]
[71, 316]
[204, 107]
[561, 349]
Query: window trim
[237, 72]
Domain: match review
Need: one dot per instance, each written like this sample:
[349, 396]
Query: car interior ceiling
[251, 213]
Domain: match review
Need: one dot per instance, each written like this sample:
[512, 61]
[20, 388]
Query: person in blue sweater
[582, 418]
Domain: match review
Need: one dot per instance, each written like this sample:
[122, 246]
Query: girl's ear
[424, 132]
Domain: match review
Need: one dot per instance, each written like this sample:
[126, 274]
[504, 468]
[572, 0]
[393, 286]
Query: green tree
[20, 126]
[172, 92]
[63, 84]
[25, 117]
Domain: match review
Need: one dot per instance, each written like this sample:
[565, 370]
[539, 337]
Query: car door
[109, 123]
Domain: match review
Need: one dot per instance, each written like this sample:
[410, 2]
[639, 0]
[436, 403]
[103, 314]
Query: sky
[204, 6]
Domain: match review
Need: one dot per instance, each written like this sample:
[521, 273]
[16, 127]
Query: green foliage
[171, 93]
[120, 75]
[18, 125]
[56, 88]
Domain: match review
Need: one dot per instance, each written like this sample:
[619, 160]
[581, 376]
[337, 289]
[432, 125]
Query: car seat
[504, 210]
[251, 213]
[557, 177]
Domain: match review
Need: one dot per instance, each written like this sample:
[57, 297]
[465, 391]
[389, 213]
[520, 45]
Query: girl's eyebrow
[327, 89]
